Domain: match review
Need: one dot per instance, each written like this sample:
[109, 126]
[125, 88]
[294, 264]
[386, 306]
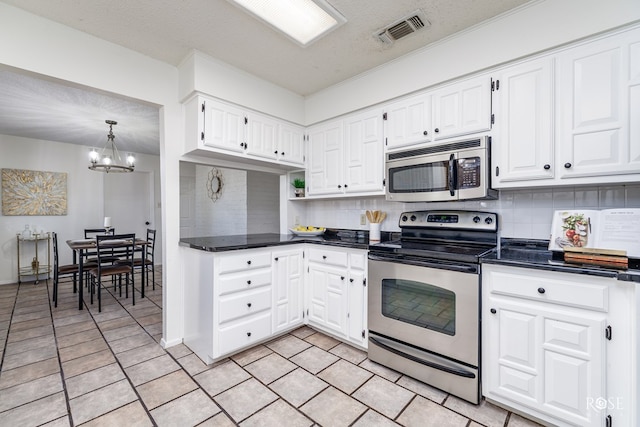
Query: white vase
[374, 232]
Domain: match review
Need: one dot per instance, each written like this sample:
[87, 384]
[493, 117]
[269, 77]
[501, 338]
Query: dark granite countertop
[535, 254]
[512, 252]
[342, 238]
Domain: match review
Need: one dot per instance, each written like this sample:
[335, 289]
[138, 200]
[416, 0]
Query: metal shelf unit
[35, 268]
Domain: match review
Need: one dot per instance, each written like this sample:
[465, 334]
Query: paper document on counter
[617, 229]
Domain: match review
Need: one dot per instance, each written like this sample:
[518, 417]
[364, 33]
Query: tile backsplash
[523, 213]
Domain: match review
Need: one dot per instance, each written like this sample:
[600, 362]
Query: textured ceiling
[169, 29]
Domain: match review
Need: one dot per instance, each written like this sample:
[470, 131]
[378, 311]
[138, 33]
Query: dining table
[80, 246]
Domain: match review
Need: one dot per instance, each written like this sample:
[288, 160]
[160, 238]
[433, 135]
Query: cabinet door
[327, 298]
[357, 307]
[287, 289]
[337, 296]
[524, 111]
[364, 161]
[462, 108]
[291, 144]
[224, 126]
[262, 136]
[408, 122]
[326, 159]
[599, 97]
[548, 359]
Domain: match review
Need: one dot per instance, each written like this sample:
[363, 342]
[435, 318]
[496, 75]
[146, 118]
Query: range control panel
[468, 220]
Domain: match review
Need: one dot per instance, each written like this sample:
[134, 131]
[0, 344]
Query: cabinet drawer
[245, 333]
[558, 288]
[244, 262]
[358, 261]
[228, 283]
[240, 304]
[324, 256]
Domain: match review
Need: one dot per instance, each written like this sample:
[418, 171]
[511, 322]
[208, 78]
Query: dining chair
[147, 262]
[124, 244]
[92, 233]
[66, 270]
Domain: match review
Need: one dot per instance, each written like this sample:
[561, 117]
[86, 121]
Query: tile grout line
[139, 398]
[135, 390]
[6, 341]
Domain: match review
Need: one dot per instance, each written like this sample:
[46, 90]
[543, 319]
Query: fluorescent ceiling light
[304, 21]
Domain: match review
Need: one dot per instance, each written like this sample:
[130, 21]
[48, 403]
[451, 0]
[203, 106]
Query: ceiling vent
[403, 27]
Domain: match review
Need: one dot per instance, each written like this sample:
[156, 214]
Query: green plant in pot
[298, 184]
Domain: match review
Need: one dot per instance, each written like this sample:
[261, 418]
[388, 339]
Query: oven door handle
[453, 179]
[399, 258]
[432, 364]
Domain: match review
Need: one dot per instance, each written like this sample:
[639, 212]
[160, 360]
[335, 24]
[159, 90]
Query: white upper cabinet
[523, 149]
[346, 156]
[224, 126]
[262, 136]
[462, 108]
[364, 158]
[457, 109]
[291, 144]
[408, 122]
[213, 126]
[325, 159]
[568, 117]
[598, 98]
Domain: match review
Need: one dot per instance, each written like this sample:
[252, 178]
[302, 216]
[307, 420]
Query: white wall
[227, 215]
[536, 27]
[523, 213]
[263, 200]
[49, 49]
[199, 72]
[85, 195]
[248, 203]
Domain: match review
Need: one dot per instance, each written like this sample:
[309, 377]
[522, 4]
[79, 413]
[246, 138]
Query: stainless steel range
[424, 298]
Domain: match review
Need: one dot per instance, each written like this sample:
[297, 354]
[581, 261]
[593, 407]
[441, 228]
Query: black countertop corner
[355, 239]
[535, 254]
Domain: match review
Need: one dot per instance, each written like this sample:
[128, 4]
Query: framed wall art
[32, 193]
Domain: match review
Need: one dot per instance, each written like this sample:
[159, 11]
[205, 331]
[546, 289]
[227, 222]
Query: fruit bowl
[307, 231]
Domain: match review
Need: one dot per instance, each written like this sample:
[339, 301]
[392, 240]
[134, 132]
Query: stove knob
[404, 218]
[413, 218]
[476, 219]
[488, 220]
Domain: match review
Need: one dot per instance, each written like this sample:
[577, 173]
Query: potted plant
[298, 184]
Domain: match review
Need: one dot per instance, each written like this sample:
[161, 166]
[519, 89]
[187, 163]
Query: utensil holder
[374, 232]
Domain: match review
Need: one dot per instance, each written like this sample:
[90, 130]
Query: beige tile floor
[62, 367]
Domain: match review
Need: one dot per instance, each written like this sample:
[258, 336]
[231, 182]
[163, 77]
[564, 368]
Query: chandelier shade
[109, 160]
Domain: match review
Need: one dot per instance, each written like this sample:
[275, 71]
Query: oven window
[419, 304]
[425, 177]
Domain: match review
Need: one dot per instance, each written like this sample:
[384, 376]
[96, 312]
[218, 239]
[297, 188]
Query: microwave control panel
[469, 172]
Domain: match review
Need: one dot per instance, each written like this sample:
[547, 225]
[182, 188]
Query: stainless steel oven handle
[431, 363]
[399, 258]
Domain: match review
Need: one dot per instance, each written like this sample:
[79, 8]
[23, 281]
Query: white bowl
[307, 233]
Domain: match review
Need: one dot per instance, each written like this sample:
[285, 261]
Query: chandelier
[109, 160]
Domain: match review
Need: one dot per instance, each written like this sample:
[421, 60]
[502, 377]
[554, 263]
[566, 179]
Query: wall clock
[214, 184]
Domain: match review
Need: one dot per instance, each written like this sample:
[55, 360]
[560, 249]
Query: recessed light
[304, 21]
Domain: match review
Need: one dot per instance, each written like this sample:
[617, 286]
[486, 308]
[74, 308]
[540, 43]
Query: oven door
[422, 178]
[430, 308]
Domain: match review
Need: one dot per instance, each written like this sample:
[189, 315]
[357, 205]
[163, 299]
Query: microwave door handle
[452, 175]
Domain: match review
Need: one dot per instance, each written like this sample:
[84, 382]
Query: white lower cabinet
[242, 301]
[336, 281]
[288, 289]
[555, 345]
[236, 299]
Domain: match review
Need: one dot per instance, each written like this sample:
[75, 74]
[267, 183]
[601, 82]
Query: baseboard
[166, 344]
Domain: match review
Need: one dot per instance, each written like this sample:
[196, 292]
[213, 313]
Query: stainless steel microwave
[457, 170]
